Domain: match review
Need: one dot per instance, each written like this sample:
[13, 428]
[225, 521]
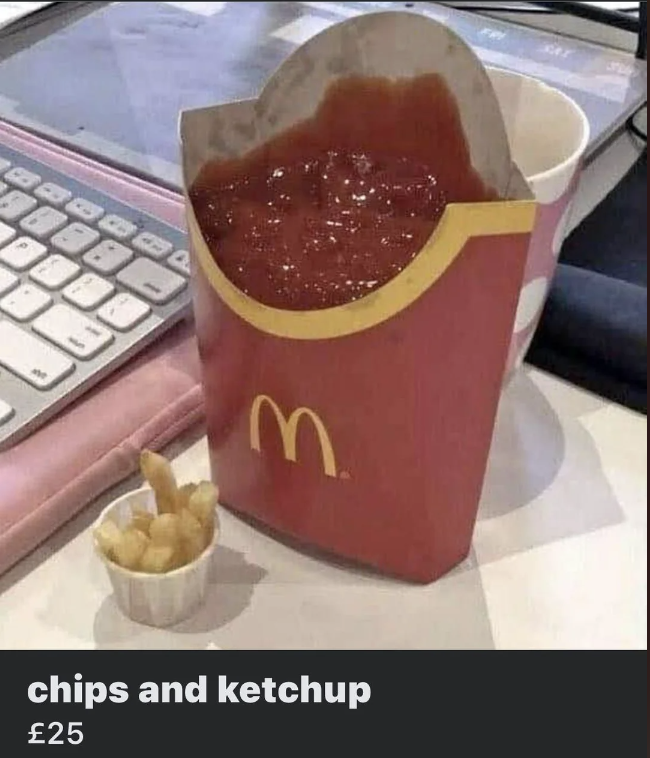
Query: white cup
[548, 134]
[155, 599]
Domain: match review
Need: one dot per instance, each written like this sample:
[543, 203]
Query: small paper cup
[158, 600]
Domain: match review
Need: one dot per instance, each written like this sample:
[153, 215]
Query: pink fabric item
[95, 443]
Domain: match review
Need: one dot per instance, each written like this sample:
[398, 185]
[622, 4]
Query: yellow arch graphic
[289, 431]
[459, 223]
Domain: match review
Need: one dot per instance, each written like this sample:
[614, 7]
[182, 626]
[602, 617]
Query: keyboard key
[30, 359]
[22, 178]
[123, 312]
[3, 188]
[54, 272]
[15, 204]
[151, 280]
[88, 291]
[6, 412]
[108, 257]
[75, 238]
[25, 302]
[4, 165]
[7, 233]
[151, 245]
[75, 333]
[180, 261]
[22, 253]
[84, 210]
[7, 281]
[43, 221]
[117, 227]
[53, 194]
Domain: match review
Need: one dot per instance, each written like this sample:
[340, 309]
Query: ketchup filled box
[359, 234]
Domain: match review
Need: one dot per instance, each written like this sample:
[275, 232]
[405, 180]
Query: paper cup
[548, 133]
[155, 599]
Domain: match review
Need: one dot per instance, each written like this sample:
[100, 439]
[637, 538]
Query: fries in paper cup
[156, 544]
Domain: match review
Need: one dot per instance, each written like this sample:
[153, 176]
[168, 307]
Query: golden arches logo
[289, 431]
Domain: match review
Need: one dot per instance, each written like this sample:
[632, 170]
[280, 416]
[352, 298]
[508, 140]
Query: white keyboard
[85, 283]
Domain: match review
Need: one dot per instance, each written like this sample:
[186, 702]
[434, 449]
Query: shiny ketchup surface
[338, 205]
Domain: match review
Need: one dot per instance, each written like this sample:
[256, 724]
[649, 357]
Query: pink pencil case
[53, 474]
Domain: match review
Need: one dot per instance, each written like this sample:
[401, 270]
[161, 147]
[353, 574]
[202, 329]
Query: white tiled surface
[559, 558]
[579, 592]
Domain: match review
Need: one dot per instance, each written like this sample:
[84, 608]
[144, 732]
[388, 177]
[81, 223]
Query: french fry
[192, 535]
[183, 496]
[164, 530]
[157, 559]
[108, 534]
[141, 519]
[178, 558]
[203, 505]
[129, 549]
[203, 502]
[176, 534]
[158, 472]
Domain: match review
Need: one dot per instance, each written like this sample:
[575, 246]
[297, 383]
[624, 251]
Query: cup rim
[142, 575]
[573, 106]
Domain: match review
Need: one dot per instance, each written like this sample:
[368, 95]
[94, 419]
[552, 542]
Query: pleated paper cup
[158, 600]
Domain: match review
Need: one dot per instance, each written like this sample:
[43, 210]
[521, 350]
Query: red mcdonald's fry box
[364, 428]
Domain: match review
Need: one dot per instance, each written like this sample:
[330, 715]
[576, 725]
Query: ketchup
[333, 208]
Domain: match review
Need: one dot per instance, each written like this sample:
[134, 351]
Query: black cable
[634, 128]
[495, 7]
[599, 15]
[641, 48]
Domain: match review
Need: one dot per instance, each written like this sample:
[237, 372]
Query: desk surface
[559, 558]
